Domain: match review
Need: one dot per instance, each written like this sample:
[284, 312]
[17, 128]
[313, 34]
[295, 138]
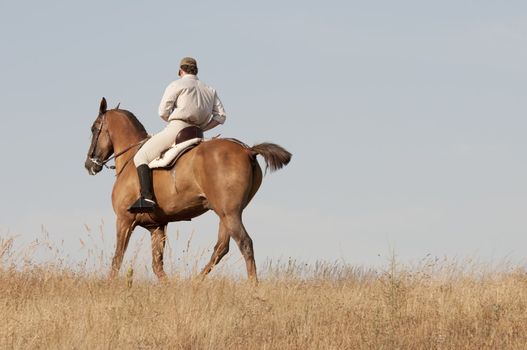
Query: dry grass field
[438, 305]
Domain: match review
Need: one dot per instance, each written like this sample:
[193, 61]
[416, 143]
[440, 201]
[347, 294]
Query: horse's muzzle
[92, 167]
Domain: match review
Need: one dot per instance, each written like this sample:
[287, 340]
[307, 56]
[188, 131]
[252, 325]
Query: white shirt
[192, 101]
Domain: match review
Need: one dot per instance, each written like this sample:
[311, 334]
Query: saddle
[186, 139]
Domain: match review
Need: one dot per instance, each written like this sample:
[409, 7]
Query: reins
[140, 143]
[103, 163]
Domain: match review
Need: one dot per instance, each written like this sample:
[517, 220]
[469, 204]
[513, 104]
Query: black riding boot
[146, 202]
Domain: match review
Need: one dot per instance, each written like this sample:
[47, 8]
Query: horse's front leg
[125, 226]
[158, 237]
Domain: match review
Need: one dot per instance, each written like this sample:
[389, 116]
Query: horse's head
[101, 146]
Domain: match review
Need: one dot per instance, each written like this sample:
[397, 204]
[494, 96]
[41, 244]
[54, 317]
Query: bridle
[92, 158]
[103, 163]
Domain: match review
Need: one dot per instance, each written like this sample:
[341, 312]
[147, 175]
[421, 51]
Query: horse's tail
[275, 156]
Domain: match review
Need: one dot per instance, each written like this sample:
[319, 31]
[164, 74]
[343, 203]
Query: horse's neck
[125, 134]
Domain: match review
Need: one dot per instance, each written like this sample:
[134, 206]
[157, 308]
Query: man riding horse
[220, 175]
[186, 102]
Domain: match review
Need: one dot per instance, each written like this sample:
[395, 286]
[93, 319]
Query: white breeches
[159, 142]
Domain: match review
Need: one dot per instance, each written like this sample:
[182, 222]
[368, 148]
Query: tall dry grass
[437, 305]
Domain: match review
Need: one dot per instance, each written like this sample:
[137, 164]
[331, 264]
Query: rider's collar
[190, 76]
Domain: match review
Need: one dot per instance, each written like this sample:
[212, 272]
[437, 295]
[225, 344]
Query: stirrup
[143, 205]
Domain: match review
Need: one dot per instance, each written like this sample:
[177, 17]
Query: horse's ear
[102, 108]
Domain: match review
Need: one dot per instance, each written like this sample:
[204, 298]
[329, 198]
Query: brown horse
[219, 175]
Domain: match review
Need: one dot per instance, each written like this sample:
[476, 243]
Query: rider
[186, 102]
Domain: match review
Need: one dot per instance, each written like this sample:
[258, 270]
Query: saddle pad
[170, 157]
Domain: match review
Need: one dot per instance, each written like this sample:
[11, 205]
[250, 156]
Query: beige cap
[188, 61]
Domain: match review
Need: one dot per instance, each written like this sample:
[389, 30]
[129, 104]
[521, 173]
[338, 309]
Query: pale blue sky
[406, 119]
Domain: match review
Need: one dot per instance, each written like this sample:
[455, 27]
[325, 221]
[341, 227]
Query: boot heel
[142, 205]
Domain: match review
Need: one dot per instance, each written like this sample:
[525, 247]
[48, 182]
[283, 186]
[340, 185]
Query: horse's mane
[132, 118]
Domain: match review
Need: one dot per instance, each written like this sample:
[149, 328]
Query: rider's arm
[168, 101]
[218, 114]
[211, 124]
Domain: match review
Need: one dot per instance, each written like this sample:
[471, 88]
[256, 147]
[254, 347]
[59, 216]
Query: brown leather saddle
[189, 133]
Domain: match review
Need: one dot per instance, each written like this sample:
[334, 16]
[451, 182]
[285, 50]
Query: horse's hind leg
[245, 243]
[237, 231]
[124, 226]
[158, 238]
[220, 249]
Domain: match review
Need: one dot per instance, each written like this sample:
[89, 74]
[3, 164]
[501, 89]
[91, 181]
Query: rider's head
[188, 65]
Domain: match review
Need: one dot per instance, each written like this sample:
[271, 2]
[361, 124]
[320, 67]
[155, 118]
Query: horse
[219, 174]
